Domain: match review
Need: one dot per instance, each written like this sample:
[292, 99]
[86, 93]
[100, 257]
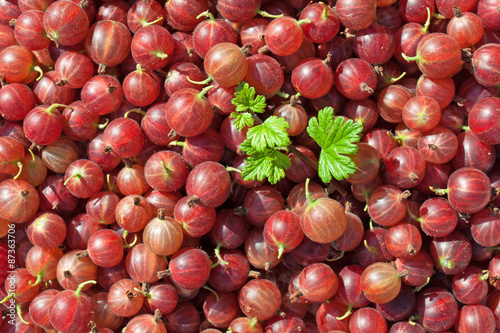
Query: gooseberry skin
[42, 263]
[380, 282]
[141, 87]
[124, 138]
[328, 314]
[466, 28]
[252, 32]
[226, 64]
[436, 309]
[16, 101]
[447, 8]
[143, 14]
[29, 30]
[473, 153]
[188, 112]
[405, 167]
[101, 43]
[152, 46]
[282, 231]
[210, 183]
[470, 286]
[356, 15]
[50, 118]
[143, 265]
[486, 10]
[46, 230]
[295, 115]
[264, 74]
[11, 155]
[146, 323]
[387, 205]
[439, 55]
[182, 75]
[438, 218]
[375, 44]
[318, 282]
[403, 240]
[283, 36]
[323, 221]
[419, 266]
[469, 190]
[355, 79]
[48, 92]
[313, 78]
[113, 10]
[415, 11]
[391, 102]
[484, 120]
[83, 178]
[421, 113]
[102, 94]
[77, 123]
[70, 311]
[324, 23]
[475, 318]
[196, 221]
[163, 236]
[486, 65]
[231, 277]
[123, 300]
[484, 227]
[452, 253]
[211, 32]
[105, 248]
[190, 269]
[166, 171]
[207, 146]
[439, 145]
[366, 320]
[7, 37]
[182, 14]
[66, 22]
[259, 298]
[442, 90]
[39, 308]
[19, 201]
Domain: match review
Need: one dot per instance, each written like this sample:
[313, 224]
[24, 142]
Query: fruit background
[241, 166]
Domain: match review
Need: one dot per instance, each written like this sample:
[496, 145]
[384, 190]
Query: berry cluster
[250, 166]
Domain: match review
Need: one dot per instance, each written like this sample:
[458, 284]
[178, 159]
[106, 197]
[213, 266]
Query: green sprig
[270, 134]
[263, 145]
[268, 163]
[336, 137]
[246, 104]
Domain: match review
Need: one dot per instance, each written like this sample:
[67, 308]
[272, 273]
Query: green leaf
[336, 137]
[242, 119]
[246, 101]
[319, 128]
[272, 133]
[268, 163]
[247, 148]
[333, 164]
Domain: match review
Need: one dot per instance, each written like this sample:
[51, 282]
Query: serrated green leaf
[269, 163]
[242, 119]
[246, 147]
[319, 128]
[245, 99]
[343, 135]
[333, 164]
[336, 137]
[272, 133]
